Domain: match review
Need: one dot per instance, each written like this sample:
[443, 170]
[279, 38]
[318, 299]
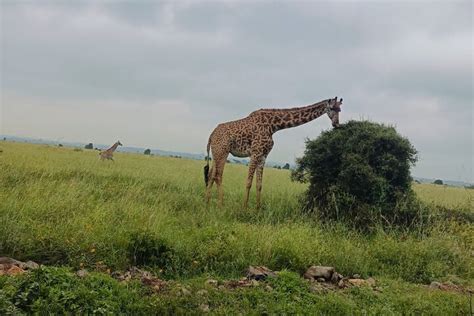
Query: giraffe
[109, 153]
[252, 137]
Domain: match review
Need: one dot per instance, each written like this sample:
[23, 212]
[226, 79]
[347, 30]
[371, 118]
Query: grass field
[63, 207]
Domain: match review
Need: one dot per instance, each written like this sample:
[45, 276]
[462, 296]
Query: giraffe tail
[206, 167]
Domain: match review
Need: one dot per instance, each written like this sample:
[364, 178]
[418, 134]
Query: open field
[64, 207]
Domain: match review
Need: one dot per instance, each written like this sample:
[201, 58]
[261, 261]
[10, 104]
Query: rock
[358, 282]
[204, 308]
[315, 272]
[233, 284]
[356, 276]
[134, 273]
[212, 282]
[201, 292]
[255, 283]
[6, 263]
[139, 273]
[153, 282]
[435, 285]
[259, 273]
[82, 273]
[371, 281]
[31, 265]
[14, 270]
[9, 266]
[321, 280]
[336, 277]
[127, 276]
[116, 274]
[341, 284]
[6, 260]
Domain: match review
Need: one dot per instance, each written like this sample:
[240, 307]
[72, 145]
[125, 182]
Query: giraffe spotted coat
[252, 137]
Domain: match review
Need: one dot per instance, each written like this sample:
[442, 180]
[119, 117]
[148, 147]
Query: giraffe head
[332, 109]
[119, 143]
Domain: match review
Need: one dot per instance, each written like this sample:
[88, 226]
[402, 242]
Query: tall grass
[61, 206]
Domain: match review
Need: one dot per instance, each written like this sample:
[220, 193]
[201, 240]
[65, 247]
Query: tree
[89, 146]
[147, 151]
[359, 173]
[438, 181]
[286, 166]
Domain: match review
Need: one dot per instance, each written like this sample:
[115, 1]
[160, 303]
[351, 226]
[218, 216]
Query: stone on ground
[259, 273]
[317, 272]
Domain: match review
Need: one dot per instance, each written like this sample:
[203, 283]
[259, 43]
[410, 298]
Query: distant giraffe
[109, 153]
[252, 137]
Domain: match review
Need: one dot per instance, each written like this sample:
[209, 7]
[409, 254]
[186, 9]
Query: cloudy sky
[164, 74]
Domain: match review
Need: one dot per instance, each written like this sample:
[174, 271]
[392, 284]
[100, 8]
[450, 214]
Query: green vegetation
[65, 208]
[359, 174]
[58, 291]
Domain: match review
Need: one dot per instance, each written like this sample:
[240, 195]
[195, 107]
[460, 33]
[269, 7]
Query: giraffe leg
[220, 170]
[259, 182]
[212, 176]
[252, 167]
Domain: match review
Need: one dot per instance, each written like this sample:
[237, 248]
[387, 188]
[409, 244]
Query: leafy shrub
[147, 249]
[57, 291]
[89, 146]
[438, 181]
[147, 151]
[359, 173]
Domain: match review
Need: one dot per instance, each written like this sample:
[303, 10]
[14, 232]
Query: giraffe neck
[287, 118]
[113, 148]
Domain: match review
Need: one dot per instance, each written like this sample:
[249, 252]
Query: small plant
[147, 151]
[438, 181]
[89, 146]
[147, 249]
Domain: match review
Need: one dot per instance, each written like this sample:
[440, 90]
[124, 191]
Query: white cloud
[158, 68]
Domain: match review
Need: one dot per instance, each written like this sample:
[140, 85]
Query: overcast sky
[164, 74]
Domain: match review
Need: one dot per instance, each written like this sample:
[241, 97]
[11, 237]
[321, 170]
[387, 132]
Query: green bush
[146, 249]
[57, 291]
[359, 173]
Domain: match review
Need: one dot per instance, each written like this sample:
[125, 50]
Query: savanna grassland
[67, 210]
